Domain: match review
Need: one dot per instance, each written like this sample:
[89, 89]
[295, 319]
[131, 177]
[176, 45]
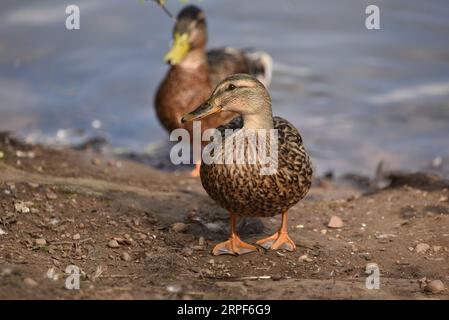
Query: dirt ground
[139, 233]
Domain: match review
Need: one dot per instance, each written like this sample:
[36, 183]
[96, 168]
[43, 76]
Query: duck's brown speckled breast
[241, 189]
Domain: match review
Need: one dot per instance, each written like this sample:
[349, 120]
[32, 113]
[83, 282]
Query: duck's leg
[196, 172]
[279, 240]
[234, 245]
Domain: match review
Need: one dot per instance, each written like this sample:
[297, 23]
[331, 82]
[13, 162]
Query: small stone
[323, 231]
[52, 274]
[201, 241]
[186, 252]
[174, 288]
[6, 272]
[335, 222]
[40, 242]
[76, 236]
[2, 232]
[211, 261]
[305, 258]
[276, 277]
[436, 248]
[113, 244]
[30, 282]
[435, 286]
[125, 256]
[443, 199]
[422, 247]
[179, 227]
[365, 255]
[21, 207]
[51, 195]
[422, 281]
[2, 154]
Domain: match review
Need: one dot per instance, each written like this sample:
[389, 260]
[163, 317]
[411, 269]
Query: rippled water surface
[357, 96]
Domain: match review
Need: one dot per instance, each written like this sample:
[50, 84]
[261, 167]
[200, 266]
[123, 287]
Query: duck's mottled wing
[295, 168]
[227, 61]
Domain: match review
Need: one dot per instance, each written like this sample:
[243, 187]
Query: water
[357, 96]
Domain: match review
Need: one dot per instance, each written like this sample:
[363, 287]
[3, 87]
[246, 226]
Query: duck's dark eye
[231, 87]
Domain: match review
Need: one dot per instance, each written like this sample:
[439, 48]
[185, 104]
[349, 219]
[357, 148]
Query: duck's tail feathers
[261, 65]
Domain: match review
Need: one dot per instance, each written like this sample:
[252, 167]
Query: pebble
[113, 244]
[52, 274]
[335, 222]
[51, 195]
[76, 236]
[125, 256]
[365, 255]
[186, 252]
[33, 185]
[422, 247]
[40, 242]
[21, 207]
[179, 227]
[175, 288]
[2, 154]
[2, 232]
[305, 258]
[435, 286]
[6, 272]
[201, 241]
[30, 282]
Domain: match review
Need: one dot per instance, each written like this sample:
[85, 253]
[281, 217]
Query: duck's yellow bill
[202, 111]
[179, 49]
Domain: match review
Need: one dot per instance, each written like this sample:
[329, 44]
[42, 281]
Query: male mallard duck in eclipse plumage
[240, 188]
[194, 73]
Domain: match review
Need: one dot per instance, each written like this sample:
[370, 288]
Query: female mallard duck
[241, 188]
[194, 73]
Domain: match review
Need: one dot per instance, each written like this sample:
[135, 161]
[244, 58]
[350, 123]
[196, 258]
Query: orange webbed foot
[233, 246]
[279, 240]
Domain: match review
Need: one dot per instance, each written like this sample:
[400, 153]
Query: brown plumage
[241, 188]
[195, 73]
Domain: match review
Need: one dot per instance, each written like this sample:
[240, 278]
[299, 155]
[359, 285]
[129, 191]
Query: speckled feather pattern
[241, 189]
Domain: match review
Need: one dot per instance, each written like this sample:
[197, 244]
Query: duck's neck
[263, 120]
[195, 60]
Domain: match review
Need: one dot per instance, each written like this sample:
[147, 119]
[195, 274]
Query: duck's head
[189, 33]
[242, 94]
